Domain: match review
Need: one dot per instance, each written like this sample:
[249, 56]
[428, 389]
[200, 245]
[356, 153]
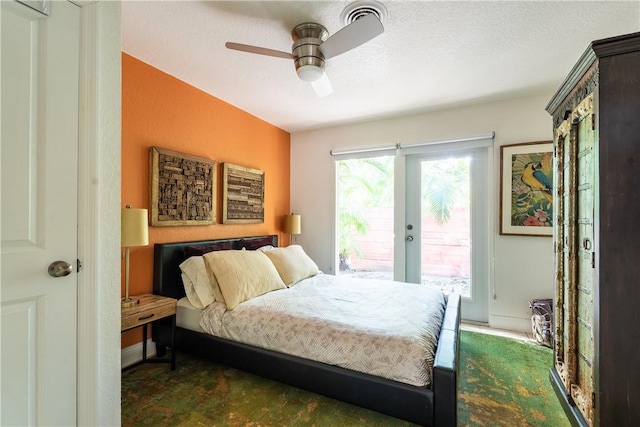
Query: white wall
[99, 217]
[522, 266]
[107, 196]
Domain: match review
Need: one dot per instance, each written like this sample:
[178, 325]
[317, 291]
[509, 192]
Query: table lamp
[292, 225]
[133, 232]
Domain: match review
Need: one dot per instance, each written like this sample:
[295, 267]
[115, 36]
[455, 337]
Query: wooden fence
[446, 249]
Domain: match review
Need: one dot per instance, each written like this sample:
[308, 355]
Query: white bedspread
[384, 328]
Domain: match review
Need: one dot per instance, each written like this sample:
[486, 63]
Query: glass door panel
[365, 217]
[445, 238]
[447, 225]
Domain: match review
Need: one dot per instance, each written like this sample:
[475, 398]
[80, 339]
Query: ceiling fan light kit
[312, 44]
[309, 60]
[310, 73]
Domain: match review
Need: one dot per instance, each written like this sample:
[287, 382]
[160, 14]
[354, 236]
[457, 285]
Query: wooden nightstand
[150, 309]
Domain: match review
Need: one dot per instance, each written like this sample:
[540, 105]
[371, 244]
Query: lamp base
[129, 302]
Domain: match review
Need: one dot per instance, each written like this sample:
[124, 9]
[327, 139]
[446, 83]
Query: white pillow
[242, 275]
[292, 263]
[190, 291]
[197, 284]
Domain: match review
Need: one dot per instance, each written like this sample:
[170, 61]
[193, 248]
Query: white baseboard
[510, 323]
[133, 353]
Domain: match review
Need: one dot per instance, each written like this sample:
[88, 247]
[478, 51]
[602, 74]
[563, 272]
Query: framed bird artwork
[526, 183]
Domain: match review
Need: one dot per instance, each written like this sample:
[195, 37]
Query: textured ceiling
[432, 55]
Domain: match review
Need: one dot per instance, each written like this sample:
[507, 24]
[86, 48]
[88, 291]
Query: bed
[434, 405]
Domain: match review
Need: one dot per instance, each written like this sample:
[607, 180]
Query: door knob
[60, 269]
[409, 238]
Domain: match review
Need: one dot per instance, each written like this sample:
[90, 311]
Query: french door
[446, 226]
[420, 216]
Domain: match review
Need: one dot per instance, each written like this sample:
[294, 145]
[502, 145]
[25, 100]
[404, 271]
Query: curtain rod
[400, 146]
[363, 150]
[449, 141]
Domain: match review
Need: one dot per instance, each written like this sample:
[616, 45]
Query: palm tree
[444, 184]
[362, 183]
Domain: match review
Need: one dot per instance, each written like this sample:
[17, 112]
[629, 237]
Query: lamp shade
[292, 224]
[133, 227]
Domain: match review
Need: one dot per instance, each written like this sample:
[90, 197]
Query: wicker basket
[542, 321]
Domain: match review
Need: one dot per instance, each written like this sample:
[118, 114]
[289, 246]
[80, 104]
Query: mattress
[383, 328]
[187, 316]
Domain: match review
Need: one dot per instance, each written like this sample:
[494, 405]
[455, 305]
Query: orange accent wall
[160, 110]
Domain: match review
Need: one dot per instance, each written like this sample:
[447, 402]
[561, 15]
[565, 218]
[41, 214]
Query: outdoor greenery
[361, 183]
[445, 183]
[366, 183]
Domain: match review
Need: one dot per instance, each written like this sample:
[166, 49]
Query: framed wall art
[526, 185]
[182, 188]
[243, 195]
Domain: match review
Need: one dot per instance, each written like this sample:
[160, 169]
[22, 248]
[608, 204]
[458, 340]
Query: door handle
[60, 269]
[409, 238]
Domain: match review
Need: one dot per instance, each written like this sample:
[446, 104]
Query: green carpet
[502, 382]
[505, 382]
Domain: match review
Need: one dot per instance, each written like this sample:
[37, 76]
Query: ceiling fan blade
[259, 50]
[353, 35]
[322, 87]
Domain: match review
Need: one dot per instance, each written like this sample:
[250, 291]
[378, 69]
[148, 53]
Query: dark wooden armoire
[596, 123]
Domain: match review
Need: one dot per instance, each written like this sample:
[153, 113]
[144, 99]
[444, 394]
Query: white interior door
[446, 228]
[40, 58]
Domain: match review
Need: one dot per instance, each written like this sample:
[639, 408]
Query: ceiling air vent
[358, 9]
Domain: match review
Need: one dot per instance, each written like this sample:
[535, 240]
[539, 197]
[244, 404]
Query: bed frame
[435, 406]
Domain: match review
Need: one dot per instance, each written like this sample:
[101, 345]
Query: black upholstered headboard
[167, 257]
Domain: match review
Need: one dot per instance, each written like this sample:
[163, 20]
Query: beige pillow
[197, 284]
[242, 275]
[292, 263]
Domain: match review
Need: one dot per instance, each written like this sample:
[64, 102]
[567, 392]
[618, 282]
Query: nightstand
[150, 309]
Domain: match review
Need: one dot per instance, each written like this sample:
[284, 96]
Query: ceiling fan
[312, 46]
